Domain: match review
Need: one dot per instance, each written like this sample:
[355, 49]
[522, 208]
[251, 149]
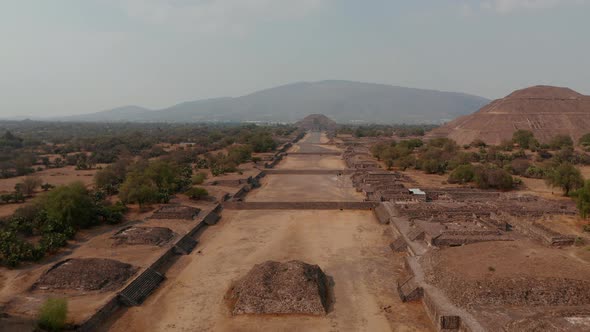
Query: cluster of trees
[55, 217]
[494, 166]
[402, 130]
[84, 145]
[442, 155]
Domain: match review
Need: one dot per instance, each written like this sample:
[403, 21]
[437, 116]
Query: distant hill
[343, 101]
[545, 110]
[119, 114]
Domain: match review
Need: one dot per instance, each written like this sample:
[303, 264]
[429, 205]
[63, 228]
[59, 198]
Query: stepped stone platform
[86, 274]
[131, 235]
[174, 211]
[293, 287]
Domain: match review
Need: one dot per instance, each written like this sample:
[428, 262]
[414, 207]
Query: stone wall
[235, 205]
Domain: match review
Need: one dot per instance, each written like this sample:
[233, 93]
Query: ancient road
[350, 246]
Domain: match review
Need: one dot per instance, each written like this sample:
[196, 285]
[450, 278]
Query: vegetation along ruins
[317, 205]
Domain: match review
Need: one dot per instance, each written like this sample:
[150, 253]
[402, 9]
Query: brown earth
[545, 110]
[519, 272]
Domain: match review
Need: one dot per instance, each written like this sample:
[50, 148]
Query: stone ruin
[86, 274]
[272, 287]
[358, 157]
[153, 236]
[174, 211]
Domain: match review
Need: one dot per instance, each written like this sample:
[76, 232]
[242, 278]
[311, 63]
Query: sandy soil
[348, 245]
[305, 188]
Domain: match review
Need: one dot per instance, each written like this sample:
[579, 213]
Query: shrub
[584, 142]
[492, 177]
[519, 166]
[525, 139]
[462, 174]
[560, 141]
[199, 178]
[50, 242]
[53, 314]
[197, 193]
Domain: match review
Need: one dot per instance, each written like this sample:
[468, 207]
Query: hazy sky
[78, 56]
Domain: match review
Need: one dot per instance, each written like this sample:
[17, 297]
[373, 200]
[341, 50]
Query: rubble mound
[281, 288]
[547, 111]
[86, 274]
[317, 122]
[154, 236]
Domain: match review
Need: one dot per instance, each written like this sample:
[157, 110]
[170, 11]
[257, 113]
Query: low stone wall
[308, 171]
[325, 153]
[159, 265]
[107, 310]
[382, 214]
[544, 234]
[235, 205]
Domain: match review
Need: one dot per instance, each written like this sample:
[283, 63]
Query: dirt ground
[348, 245]
[305, 188]
[54, 176]
[312, 162]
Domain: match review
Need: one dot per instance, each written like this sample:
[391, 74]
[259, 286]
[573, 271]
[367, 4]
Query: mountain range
[343, 101]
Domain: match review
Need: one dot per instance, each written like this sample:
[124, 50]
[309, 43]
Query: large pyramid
[317, 122]
[545, 110]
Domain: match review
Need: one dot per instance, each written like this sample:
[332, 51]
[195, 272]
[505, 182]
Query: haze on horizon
[74, 57]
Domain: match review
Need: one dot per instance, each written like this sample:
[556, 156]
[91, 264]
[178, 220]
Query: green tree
[69, 205]
[107, 180]
[139, 189]
[462, 174]
[583, 200]
[524, 138]
[565, 176]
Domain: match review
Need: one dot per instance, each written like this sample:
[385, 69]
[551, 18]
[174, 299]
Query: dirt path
[350, 246]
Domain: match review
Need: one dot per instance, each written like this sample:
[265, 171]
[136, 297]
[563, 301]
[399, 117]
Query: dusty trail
[350, 246]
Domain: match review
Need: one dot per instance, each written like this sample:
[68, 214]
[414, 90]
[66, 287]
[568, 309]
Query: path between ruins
[350, 246]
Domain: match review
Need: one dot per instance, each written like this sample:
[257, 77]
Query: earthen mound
[154, 236]
[281, 288]
[545, 110]
[86, 274]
